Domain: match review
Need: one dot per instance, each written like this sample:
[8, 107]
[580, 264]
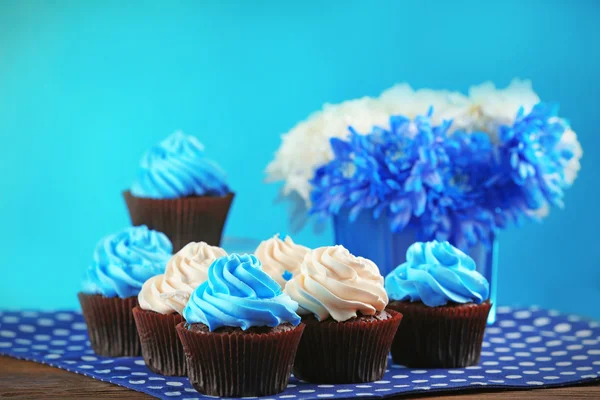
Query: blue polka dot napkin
[526, 348]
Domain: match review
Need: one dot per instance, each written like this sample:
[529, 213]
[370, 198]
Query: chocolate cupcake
[161, 303]
[281, 259]
[444, 303]
[180, 192]
[242, 332]
[122, 263]
[348, 333]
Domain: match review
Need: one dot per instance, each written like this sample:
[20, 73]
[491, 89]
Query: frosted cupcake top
[177, 167]
[239, 294]
[281, 259]
[437, 273]
[186, 270]
[125, 260]
[334, 283]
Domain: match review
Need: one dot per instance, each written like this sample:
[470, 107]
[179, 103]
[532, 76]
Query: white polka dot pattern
[525, 348]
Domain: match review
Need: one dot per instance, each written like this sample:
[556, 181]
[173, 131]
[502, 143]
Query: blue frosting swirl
[437, 273]
[177, 167]
[239, 294]
[125, 260]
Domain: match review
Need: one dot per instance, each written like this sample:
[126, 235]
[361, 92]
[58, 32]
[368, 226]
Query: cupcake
[242, 331]
[180, 192]
[161, 303]
[122, 263]
[348, 332]
[280, 259]
[444, 303]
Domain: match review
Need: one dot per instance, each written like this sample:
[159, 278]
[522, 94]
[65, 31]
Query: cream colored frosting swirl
[186, 270]
[278, 256]
[150, 295]
[333, 282]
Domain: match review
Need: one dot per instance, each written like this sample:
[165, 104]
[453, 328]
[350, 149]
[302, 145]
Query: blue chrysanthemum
[459, 187]
[530, 160]
[387, 170]
[457, 213]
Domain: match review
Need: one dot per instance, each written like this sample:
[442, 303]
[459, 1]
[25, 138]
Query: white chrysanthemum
[503, 104]
[401, 99]
[306, 146]
[569, 141]
[488, 107]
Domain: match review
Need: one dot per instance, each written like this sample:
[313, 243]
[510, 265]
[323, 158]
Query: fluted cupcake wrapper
[439, 337]
[110, 324]
[183, 220]
[345, 352]
[239, 364]
[161, 347]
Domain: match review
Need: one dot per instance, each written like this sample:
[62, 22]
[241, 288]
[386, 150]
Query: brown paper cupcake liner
[439, 337]
[239, 364]
[183, 220]
[353, 351]
[161, 347]
[110, 324]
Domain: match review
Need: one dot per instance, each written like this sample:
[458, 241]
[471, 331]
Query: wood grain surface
[27, 380]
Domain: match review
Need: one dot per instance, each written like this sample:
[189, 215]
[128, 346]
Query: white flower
[569, 141]
[540, 213]
[401, 99]
[488, 107]
[306, 146]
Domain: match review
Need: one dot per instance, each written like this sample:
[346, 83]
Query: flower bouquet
[423, 165]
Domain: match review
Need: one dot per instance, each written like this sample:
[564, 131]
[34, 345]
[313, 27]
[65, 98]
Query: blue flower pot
[372, 238]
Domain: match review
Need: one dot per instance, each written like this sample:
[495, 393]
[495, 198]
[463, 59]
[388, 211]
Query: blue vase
[372, 238]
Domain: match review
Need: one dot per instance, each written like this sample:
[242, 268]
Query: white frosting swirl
[186, 270]
[278, 256]
[333, 282]
[150, 295]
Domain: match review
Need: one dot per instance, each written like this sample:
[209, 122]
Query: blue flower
[530, 162]
[457, 213]
[386, 170]
[461, 187]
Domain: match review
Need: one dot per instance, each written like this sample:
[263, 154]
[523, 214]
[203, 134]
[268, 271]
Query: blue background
[87, 86]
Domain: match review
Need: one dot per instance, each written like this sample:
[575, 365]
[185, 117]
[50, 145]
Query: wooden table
[28, 380]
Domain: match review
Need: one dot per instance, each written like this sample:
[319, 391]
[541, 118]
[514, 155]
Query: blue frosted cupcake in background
[122, 262]
[241, 331]
[180, 192]
[444, 301]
